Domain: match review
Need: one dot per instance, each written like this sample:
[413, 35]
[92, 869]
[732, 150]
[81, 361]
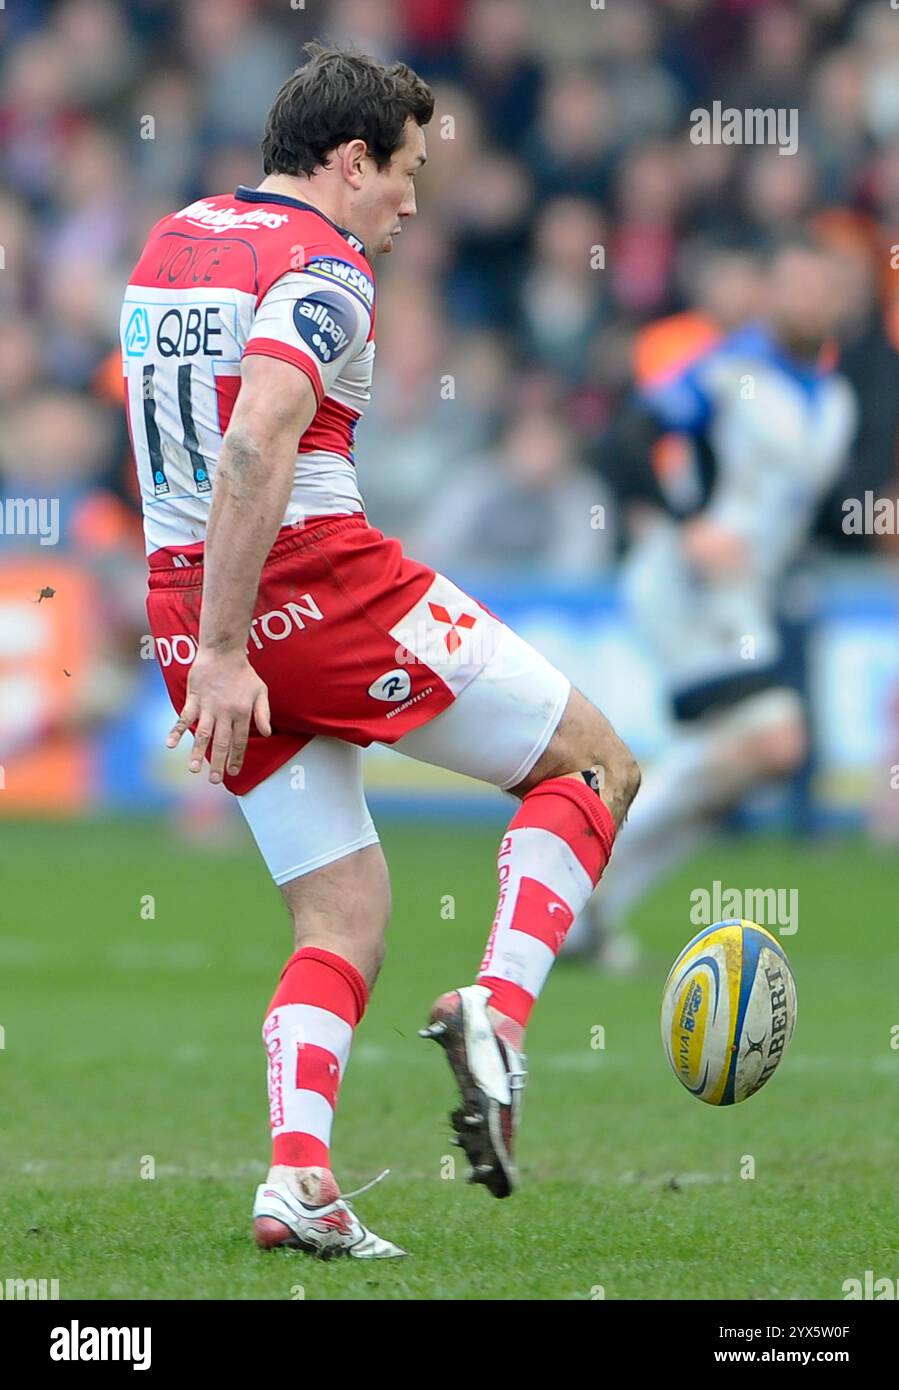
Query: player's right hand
[224, 694]
[713, 550]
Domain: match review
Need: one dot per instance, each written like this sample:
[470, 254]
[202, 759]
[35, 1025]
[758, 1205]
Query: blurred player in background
[285, 624]
[769, 424]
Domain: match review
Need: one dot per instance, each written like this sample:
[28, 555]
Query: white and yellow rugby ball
[728, 1011]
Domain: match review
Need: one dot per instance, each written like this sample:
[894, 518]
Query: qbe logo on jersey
[326, 324]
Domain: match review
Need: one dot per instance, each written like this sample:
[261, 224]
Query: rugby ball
[728, 1011]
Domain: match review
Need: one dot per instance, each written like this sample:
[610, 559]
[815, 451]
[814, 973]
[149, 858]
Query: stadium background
[503, 347]
[503, 353]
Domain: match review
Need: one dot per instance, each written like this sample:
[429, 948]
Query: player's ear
[352, 157]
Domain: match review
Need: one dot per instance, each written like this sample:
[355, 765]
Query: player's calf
[344, 907]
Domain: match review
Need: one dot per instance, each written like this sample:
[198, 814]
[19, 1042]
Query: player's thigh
[312, 811]
[498, 727]
[315, 833]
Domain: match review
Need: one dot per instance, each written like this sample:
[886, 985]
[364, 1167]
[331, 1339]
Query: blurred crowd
[568, 230]
[564, 209]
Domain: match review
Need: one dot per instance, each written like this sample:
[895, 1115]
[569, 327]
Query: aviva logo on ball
[728, 1011]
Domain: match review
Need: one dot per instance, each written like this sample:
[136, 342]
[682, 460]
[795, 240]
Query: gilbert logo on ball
[728, 1011]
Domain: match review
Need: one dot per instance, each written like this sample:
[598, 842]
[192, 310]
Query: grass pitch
[131, 1047]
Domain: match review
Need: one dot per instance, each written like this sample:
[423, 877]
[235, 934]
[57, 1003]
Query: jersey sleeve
[318, 324]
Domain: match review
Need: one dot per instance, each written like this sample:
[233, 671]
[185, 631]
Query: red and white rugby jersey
[249, 272]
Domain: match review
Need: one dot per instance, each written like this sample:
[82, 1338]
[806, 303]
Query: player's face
[389, 195]
[804, 300]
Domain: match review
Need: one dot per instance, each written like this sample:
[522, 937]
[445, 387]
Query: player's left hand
[224, 694]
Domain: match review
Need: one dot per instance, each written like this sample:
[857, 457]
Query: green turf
[128, 1038]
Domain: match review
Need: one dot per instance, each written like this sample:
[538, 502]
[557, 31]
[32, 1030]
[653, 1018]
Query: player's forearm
[252, 489]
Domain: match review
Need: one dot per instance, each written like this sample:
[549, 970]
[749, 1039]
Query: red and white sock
[308, 1033]
[549, 862]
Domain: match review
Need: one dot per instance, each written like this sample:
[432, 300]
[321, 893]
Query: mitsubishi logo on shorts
[441, 615]
[392, 686]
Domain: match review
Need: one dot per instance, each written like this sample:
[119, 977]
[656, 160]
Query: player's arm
[253, 480]
[686, 404]
[623, 455]
[626, 453]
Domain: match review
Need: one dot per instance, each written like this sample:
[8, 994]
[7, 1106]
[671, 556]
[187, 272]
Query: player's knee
[612, 770]
[594, 747]
[589, 745]
[619, 777]
[632, 777]
[781, 751]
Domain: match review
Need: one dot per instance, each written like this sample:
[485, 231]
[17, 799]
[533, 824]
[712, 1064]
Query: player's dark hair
[337, 96]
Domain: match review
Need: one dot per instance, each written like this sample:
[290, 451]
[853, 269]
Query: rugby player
[292, 634]
[775, 422]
